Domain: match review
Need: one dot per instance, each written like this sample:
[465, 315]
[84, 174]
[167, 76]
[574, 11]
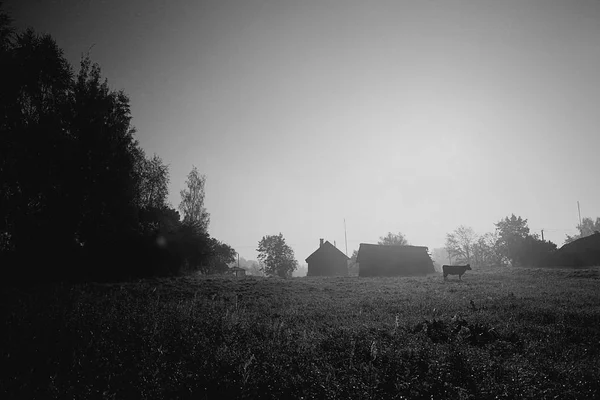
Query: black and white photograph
[300, 199]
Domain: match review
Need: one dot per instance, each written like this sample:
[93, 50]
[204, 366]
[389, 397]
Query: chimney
[321, 243]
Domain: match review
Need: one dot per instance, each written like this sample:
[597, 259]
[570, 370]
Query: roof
[366, 250]
[237, 269]
[582, 252]
[327, 247]
[392, 260]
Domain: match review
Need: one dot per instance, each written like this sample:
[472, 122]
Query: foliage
[192, 200]
[353, 265]
[518, 246]
[587, 228]
[275, 256]
[486, 251]
[511, 233]
[221, 255]
[393, 239]
[153, 182]
[79, 199]
[524, 333]
[460, 243]
[532, 251]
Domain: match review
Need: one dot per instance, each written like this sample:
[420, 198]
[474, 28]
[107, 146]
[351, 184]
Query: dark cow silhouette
[455, 270]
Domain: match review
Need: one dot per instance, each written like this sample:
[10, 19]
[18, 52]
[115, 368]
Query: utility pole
[579, 210]
[542, 235]
[238, 259]
[345, 237]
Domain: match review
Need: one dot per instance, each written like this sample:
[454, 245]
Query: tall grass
[496, 334]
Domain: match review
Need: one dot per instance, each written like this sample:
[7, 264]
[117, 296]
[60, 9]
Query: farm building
[237, 272]
[583, 252]
[383, 260]
[327, 260]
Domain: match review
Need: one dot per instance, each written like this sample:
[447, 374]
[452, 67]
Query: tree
[392, 239]
[511, 232]
[459, 244]
[192, 201]
[352, 264]
[587, 228]
[532, 251]
[221, 255]
[486, 251]
[34, 109]
[275, 256]
[153, 181]
[106, 153]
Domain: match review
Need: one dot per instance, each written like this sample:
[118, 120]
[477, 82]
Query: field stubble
[496, 334]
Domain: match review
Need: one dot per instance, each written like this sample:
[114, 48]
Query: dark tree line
[79, 198]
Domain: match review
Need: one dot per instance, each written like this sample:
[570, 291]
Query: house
[385, 260]
[583, 252]
[327, 260]
[237, 272]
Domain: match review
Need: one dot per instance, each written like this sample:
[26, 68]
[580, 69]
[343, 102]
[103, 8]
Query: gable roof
[367, 250]
[582, 252]
[328, 247]
[391, 260]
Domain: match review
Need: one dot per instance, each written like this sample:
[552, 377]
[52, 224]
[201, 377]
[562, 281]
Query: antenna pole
[345, 237]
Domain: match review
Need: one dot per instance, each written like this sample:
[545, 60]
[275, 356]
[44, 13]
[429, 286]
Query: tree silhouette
[460, 243]
[587, 228]
[511, 231]
[78, 196]
[192, 201]
[393, 239]
[275, 256]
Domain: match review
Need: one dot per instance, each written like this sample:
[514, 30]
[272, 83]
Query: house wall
[327, 264]
[382, 264]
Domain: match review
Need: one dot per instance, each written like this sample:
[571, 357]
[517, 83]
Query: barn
[583, 252]
[384, 260]
[327, 260]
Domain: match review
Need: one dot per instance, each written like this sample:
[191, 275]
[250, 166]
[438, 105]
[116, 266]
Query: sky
[395, 116]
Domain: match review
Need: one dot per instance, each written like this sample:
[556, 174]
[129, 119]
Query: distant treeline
[79, 198]
[512, 243]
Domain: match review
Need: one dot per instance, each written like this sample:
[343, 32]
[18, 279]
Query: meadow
[504, 333]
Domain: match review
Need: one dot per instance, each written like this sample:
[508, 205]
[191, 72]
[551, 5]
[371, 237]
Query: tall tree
[275, 256]
[192, 201]
[36, 84]
[511, 233]
[393, 239]
[459, 244]
[153, 181]
[587, 228]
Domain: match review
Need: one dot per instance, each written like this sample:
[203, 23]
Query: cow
[455, 270]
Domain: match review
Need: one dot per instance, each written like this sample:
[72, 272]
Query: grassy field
[510, 333]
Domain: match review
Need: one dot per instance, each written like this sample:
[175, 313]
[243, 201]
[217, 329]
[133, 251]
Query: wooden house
[327, 260]
[385, 260]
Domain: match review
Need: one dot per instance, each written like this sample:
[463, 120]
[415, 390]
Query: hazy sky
[412, 116]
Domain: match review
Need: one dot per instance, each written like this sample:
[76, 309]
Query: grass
[510, 333]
